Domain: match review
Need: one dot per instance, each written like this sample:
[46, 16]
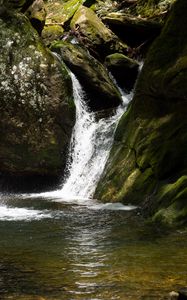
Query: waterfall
[90, 145]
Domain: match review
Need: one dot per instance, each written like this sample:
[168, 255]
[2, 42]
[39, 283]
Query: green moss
[148, 161]
[61, 12]
[95, 35]
[52, 33]
[37, 110]
[151, 8]
[91, 73]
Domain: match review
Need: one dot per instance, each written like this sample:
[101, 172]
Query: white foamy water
[21, 214]
[112, 206]
[91, 142]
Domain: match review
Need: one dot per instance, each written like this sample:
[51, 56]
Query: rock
[52, 33]
[94, 35]
[60, 12]
[134, 31]
[37, 110]
[173, 296]
[180, 295]
[20, 5]
[92, 74]
[148, 162]
[37, 15]
[124, 70]
[27, 297]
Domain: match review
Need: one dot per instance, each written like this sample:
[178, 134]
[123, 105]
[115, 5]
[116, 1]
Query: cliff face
[148, 162]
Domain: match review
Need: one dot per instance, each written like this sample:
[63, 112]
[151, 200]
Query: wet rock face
[148, 162]
[101, 91]
[37, 112]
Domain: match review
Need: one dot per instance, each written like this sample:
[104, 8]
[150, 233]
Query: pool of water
[66, 250]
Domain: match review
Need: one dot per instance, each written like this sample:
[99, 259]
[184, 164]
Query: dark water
[65, 251]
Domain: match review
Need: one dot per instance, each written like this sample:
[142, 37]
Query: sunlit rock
[102, 92]
[37, 110]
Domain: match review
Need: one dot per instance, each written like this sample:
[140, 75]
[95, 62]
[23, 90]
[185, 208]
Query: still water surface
[69, 251]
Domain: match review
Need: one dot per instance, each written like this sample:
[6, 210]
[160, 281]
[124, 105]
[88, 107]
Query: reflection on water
[68, 251]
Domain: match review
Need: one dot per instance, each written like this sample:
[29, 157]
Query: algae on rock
[62, 11]
[124, 70]
[37, 109]
[94, 77]
[95, 35]
[148, 162]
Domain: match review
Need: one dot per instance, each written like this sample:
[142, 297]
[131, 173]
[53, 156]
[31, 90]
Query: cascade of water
[90, 145]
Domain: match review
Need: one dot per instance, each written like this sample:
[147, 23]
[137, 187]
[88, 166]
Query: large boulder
[36, 103]
[37, 15]
[134, 30]
[60, 12]
[101, 90]
[148, 162]
[94, 35]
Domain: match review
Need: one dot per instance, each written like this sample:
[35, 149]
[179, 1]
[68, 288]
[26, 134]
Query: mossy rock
[124, 70]
[20, 5]
[52, 33]
[37, 15]
[133, 30]
[60, 12]
[95, 35]
[36, 102]
[101, 91]
[151, 138]
[153, 8]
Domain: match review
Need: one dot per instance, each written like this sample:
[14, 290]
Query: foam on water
[21, 214]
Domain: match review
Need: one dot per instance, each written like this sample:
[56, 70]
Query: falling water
[91, 142]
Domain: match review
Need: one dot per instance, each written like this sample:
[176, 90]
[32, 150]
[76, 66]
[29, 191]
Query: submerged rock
[101, 91]
[37, 110]
[148, 162]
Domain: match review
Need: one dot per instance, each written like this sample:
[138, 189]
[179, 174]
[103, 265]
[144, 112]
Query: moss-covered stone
[101, 91]
[52, 33]
[134, 30]
[37, 15]
[20, 5]
[151, 139]
[62, 11]
[37, 111]
[94, 34]
[124, 69]
[153, 8]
